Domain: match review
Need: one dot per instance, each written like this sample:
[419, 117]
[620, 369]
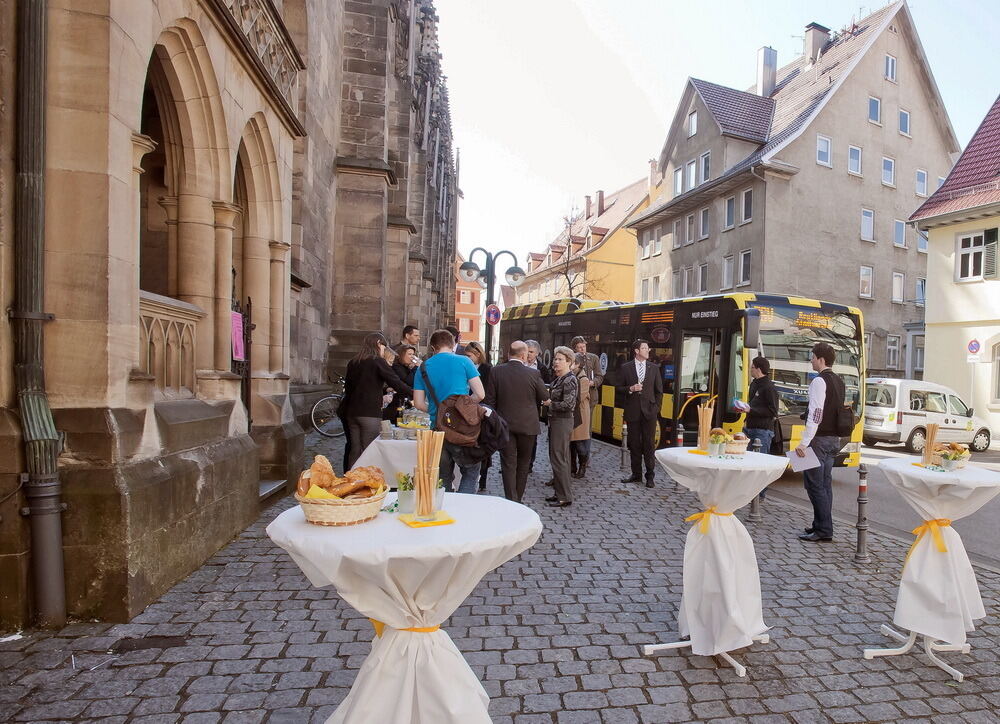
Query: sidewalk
[554, 635]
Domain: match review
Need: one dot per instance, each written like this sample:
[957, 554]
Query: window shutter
[990, 254]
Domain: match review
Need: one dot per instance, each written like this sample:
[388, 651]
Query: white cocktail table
[721, 605]
[938, 595]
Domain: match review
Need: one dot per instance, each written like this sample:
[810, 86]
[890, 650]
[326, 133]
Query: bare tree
[579, 283]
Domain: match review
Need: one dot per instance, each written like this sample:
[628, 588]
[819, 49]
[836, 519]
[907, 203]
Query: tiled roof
[800, 90]
[741, 114]
[617, 206]
[975, 179]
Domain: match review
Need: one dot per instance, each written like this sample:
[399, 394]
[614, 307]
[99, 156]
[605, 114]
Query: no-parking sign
[493, 315]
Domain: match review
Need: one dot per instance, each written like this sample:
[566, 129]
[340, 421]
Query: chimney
[588, 205]
[767, 71]
[600, 203]
[816, 37]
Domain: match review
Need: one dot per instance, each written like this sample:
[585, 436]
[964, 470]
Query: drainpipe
[41, 441]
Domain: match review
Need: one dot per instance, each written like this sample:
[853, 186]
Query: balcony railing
[167, 344]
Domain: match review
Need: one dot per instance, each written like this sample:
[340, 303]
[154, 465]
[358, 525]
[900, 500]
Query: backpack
[845, 420]
[458, 416]
[493, 432]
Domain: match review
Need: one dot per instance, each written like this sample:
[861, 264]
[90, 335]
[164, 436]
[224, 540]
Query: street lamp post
[470, 272]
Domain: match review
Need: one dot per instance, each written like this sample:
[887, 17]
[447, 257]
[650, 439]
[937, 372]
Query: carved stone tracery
[262, 27]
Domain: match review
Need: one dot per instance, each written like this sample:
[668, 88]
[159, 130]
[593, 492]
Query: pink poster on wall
[239, 353]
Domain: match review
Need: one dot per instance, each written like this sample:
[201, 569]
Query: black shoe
[551, 483]
[650, 484]
[552, 499]
[808, 530]
[814, 538]
[560, 503]
[632, 480]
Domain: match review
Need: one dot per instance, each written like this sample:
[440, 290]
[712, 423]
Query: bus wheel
[917, 440]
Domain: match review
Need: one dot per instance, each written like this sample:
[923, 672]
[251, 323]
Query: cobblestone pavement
[555, 635]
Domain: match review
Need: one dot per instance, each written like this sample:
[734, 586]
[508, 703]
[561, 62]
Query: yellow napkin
[698, 452]
[317, 492]
[440, 518]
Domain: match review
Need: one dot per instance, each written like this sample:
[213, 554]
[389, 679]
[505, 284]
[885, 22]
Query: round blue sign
[974, 347]
[493, 314]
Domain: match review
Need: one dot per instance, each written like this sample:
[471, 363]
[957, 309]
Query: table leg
[930, 646]
[738, 667]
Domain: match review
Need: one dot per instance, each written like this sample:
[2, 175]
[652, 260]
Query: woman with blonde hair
[564, 395]
[580, 439]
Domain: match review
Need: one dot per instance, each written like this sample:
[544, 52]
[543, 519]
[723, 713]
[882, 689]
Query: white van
[899, 411]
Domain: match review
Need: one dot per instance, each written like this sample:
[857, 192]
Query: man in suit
[515, 391]
[579, 345]
[640, 382]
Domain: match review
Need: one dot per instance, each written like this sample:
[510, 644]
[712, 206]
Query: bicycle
[324, 414]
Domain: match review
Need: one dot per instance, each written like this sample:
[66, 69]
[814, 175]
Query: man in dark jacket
[761, 406]
[515, 391]
[640, 382]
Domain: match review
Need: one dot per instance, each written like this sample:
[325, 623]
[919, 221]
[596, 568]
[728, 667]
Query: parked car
[900, 410]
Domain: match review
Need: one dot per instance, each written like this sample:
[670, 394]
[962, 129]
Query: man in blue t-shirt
[450, 374]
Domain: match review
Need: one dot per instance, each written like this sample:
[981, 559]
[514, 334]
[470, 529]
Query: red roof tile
[975, 179]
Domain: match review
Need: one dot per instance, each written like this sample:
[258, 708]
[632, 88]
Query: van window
[958, 407]
[921, 400]
[880, 396]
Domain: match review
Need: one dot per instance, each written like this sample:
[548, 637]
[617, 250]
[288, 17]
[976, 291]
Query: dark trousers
[560, 430]
[362, 431]
[515, 464]
[641, 434]
[819, 484]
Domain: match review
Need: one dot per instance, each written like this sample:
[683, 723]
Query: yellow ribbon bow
[704, 517]
[380, 627]
[934, 526]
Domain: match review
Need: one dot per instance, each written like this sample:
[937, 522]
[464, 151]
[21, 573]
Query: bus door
[695, 378]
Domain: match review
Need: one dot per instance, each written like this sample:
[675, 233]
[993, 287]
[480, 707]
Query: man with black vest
[826, 397]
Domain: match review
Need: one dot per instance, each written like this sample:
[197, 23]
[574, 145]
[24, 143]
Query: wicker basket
[937, 460]
[736, 447]
[328, 511]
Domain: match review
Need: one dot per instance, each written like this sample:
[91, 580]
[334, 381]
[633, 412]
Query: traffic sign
[493, 315]
[974, 346]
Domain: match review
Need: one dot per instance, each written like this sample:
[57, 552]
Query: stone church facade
[283, 166]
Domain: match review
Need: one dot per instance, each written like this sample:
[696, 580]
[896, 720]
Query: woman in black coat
[365, 381]
[475, 352]
[405, 370]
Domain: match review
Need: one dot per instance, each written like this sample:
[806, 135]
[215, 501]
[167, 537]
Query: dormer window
[692, 123]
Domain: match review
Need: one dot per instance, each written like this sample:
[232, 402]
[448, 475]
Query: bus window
[696, 364]
[737, 375]
[664, 357]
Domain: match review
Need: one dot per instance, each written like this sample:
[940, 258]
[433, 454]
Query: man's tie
[641, 371]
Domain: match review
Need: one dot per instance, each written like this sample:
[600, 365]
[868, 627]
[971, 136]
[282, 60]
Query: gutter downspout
[763, 230]
[41, 441]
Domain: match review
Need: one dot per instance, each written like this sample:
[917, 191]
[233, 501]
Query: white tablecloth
[411, 578]
[721, 605]
[394, 456]
[938, 594]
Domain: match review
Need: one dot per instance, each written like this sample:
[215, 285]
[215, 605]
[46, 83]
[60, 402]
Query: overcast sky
[554, 99]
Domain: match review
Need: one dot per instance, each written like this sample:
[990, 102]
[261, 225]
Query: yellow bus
[703, 346]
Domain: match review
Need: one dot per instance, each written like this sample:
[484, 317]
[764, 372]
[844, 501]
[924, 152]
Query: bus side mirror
[751, 328]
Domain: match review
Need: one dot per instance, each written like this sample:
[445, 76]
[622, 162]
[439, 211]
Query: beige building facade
[235, 193]
[962, 221]
[803, 184]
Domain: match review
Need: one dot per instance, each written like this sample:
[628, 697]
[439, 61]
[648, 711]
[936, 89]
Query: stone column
[225, 217]
[141, 145]
[279, 276]
[169, 204]
[257, 287]
[196, 269]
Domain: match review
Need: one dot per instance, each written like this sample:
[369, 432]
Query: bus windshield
[787, 336]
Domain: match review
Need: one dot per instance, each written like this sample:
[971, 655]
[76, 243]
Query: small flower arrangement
[718, 436]
[404, 481]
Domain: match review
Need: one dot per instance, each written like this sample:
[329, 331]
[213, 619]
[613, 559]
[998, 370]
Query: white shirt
[640, 370]
[814, 415]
